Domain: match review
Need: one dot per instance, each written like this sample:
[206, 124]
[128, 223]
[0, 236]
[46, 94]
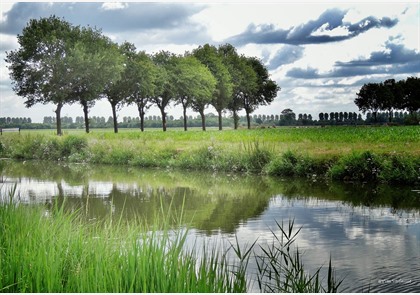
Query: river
[371, 232]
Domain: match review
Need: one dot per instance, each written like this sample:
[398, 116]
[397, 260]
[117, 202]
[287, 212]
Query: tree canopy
[63, 64]
[389, 95]
[38, 68]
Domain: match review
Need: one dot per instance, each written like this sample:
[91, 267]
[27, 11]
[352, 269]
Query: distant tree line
[389, 96]
[61, 64]
[286, 118]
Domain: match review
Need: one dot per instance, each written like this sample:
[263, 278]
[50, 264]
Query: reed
[54, 251]
[58, 251]
[281, 269]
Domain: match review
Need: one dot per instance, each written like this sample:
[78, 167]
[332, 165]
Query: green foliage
[73, 144]
[357, 166]
[368, 166]
[222, 95]
[389, 95]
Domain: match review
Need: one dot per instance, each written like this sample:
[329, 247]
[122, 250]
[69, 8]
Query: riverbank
[372, 154]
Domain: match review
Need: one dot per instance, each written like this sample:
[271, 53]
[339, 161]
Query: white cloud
[114, 5]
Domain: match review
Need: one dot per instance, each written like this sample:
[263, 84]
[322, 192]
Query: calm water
[371, 232]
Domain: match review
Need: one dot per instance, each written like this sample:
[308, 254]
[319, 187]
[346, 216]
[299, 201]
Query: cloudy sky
[320, 53]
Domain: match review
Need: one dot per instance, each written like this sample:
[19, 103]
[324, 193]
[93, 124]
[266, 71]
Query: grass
[324, 152]
[55, 251]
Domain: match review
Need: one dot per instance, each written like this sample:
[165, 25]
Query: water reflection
[371, 232]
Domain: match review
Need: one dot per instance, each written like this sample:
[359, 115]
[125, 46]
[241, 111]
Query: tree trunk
[142, 122]
[114, 117]
[220, 119]
[58, 118]
[185, 118]
[141, 114]
[248, 118]
[86, 113]
[162, 111]
[203, 120]
[235, 119]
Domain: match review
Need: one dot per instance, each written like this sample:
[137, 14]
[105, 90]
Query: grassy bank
[54, 251]
[389, 154]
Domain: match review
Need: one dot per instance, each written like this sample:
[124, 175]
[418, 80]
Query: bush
[368, 166]
[73, 144]
[397, 169]
[361, 167]
[284, 165]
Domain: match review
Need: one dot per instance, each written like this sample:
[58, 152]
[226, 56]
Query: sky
[319, 53]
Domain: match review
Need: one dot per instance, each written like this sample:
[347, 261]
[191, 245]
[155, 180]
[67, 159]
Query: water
[372, 233]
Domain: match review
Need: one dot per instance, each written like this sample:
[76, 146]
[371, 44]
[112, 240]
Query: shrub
[73, 144]
[364, 166]
[284, 165]
[397, 169]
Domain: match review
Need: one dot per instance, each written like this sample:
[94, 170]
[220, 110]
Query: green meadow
[351, 153]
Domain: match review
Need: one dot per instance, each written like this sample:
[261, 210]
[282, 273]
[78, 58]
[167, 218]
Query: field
[348, 153]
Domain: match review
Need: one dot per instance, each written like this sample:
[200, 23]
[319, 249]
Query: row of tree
[12, 120]
[287, 119]
[59, 63]
[390, 95]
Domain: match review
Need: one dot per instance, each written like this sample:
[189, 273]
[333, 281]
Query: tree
[117, 91]
[95, 64]
[369, 98]
[411, 96]
[389, 93]
[235, 66]
[39, 67]
[185, 84]
[288, 117]
[265, 91]
[202, 89]
[139, 79]
[165, 85]
[222, 96]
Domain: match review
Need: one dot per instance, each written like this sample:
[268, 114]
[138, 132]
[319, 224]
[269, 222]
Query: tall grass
[56, 251]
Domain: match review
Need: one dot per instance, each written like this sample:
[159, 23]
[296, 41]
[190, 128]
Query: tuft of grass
[257, 156]
[281, 269]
